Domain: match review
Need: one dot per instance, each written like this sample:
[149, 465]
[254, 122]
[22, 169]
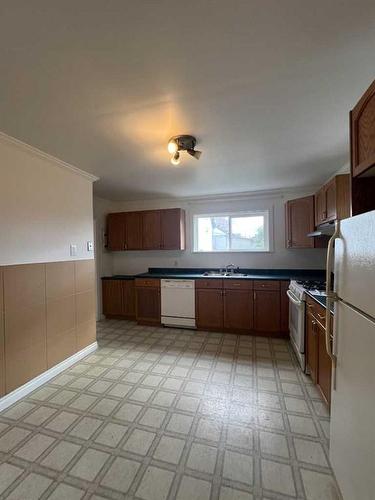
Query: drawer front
[147, 282]
[233, 284]
[266, 285]
[316, 310]
[211, 283]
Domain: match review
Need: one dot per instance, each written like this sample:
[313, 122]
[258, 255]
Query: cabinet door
[320, 207]
[151, 230]
[116, 229]
[312, 347]
[112, 297]
[128, 298]
[148, 305]
[238, 309]
[362, 120]
[267, 311]
[172, 229]
[324, 365]
[300, 222]
[209, 308]
[284, 307]
[133, 231]
[330, 193]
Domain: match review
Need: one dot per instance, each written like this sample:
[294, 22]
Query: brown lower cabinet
[317, 360]
[209, 308]
[238, 310]
[147, 299]
[118, 298]
[232, 305]
[242, 306]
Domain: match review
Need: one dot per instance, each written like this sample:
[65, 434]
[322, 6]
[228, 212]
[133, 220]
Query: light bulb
[175, 160]
[172, 147]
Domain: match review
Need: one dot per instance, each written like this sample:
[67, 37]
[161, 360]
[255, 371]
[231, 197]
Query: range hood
[323, 230]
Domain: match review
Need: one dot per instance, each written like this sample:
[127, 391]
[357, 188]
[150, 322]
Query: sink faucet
[230, 267]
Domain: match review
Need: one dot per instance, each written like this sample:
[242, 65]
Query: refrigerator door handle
[331, 295]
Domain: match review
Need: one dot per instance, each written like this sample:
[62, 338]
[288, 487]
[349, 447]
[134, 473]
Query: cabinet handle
[322, 317]
[289, 243]
[255, 296]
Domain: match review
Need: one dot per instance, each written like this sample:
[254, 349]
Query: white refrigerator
[352, 439]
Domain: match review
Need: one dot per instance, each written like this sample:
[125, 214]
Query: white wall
[280, 257]
[45, 205]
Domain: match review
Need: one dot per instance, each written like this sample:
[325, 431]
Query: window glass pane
[212, 234]
[248, 233]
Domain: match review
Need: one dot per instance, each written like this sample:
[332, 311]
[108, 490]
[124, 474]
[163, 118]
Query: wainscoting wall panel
[2, 363]
[47, 314]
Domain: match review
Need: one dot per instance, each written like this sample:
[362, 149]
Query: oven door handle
[292, 298]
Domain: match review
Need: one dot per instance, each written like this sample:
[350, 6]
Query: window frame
[266, 213]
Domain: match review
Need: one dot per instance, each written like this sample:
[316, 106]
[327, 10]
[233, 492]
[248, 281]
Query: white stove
[297, 297]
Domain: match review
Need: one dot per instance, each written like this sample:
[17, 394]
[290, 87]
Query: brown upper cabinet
[116, 231]
[151, 231]
[299, 218]
[362, 133]
[332, 201]
[146, 230]
[362, 154]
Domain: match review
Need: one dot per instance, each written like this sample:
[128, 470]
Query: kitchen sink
[224, 274]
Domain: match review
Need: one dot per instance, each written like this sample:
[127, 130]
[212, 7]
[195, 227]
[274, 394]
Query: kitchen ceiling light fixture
[179, 143]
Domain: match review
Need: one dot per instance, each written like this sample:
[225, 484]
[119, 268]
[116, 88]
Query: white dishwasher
[178, 303]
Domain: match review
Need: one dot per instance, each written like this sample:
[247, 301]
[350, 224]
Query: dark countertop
[320, 299]
[198, 273]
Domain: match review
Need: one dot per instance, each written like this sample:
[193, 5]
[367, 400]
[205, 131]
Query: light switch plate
[89, 246]
[73, 250]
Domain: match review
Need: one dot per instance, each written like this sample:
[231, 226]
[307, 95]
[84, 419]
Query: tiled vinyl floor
[160, 414]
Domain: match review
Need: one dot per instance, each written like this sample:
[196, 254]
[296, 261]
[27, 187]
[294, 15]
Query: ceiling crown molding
[46, 156]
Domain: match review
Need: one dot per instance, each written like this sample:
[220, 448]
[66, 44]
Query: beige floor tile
[128, 412]
[121, 474]
[227, 493]
[18, 410]
[141, 394]
[164, 398]
[241, 437]
[278, 478]
[180, 423]
[318, 486]
[104, 407]
[66, 492]
[61, 455]
[155, 484]
[86, 427]
[310, 452]
[238, 467]
[202, 458]
[302, 425]
[8, 474]
[33, 448]
[89, 465]
[273, 444]
[191, 487]
[83, 402]
[62, 421]
[139, 442]
[208, 429]
[153, 418]
[188, 404]
[39, 416]
[169, 449]
[31, 488]
[12, 438]
[111, 435]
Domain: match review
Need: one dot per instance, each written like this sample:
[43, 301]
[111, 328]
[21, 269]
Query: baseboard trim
[44, 377]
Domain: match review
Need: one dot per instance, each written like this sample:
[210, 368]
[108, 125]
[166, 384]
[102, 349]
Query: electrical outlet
[73, 250]
[89, 246]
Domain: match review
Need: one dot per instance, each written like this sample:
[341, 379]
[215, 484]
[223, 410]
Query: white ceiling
[264, 85]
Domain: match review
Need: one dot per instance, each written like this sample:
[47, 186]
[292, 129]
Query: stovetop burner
[312, 285]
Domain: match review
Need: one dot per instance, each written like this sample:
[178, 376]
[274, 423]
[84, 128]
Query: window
[237, 232]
